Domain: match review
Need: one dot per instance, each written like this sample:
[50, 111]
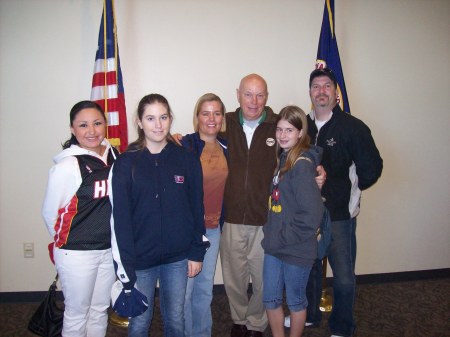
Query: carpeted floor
[394, 309]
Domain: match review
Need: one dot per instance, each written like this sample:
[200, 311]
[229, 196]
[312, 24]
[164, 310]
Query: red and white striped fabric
[107, 84]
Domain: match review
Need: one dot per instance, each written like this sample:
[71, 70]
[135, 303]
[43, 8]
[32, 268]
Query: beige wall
[395, 56]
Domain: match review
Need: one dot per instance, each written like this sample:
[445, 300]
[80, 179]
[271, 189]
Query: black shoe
[253, 333]
[238, 330]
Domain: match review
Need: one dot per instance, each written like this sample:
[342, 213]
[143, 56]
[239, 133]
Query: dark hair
[297, 118]
[322, 72]
[73, 114]
[140, 143]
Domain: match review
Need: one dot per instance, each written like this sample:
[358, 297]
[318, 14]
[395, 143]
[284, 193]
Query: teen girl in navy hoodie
[158, 217]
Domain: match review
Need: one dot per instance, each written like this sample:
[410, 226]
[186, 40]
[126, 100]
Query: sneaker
[287, 322]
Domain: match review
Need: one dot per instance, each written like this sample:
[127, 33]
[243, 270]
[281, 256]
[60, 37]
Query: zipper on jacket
[158, 197]
[246, 178]
[247, 165]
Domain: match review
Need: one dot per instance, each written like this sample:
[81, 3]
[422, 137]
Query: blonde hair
[209, 97]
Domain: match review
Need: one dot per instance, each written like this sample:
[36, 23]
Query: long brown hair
[297, 118]
[140, 143]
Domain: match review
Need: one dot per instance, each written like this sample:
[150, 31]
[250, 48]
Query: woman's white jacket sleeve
[64, 179]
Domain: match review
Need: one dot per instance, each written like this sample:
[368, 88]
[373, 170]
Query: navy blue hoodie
[158, 213]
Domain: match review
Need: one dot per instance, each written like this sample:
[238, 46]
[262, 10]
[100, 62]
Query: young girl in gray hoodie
[295, 213]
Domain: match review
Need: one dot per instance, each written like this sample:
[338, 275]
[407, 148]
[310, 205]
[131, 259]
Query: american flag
[107, 85]
[328, 53]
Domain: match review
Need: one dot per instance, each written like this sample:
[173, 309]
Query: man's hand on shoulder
[321, 176]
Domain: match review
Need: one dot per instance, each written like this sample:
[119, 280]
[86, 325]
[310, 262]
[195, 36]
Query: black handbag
[47, 321]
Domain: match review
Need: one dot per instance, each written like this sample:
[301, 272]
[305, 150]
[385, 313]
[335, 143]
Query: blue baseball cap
[128, 303]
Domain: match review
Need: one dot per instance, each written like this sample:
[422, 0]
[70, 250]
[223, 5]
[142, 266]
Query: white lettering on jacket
[100, 189]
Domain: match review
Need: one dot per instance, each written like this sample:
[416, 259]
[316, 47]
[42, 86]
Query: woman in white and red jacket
[77, 212]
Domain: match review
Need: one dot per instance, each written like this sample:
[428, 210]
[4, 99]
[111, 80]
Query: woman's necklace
[210, 152]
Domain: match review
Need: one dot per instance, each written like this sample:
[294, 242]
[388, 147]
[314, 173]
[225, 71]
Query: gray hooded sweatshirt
[289, 233]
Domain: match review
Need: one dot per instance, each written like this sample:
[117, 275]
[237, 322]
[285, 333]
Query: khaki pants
[242, 258]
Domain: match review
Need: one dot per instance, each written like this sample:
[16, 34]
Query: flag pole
[326, 301]
[114, 319]
[328, 57]
[105, 68]
[115, 41]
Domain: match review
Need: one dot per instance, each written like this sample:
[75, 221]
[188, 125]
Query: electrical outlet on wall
[28, 249]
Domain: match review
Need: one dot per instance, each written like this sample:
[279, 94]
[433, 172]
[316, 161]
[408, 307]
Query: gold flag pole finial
[117, 320]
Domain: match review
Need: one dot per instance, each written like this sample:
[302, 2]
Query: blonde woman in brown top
[208, 122]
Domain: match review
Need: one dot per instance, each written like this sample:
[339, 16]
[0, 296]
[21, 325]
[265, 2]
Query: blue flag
[328, 53]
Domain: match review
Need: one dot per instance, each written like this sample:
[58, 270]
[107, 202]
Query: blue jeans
[172, 288]
[199, 291]
[342, 257]
[276, 276]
